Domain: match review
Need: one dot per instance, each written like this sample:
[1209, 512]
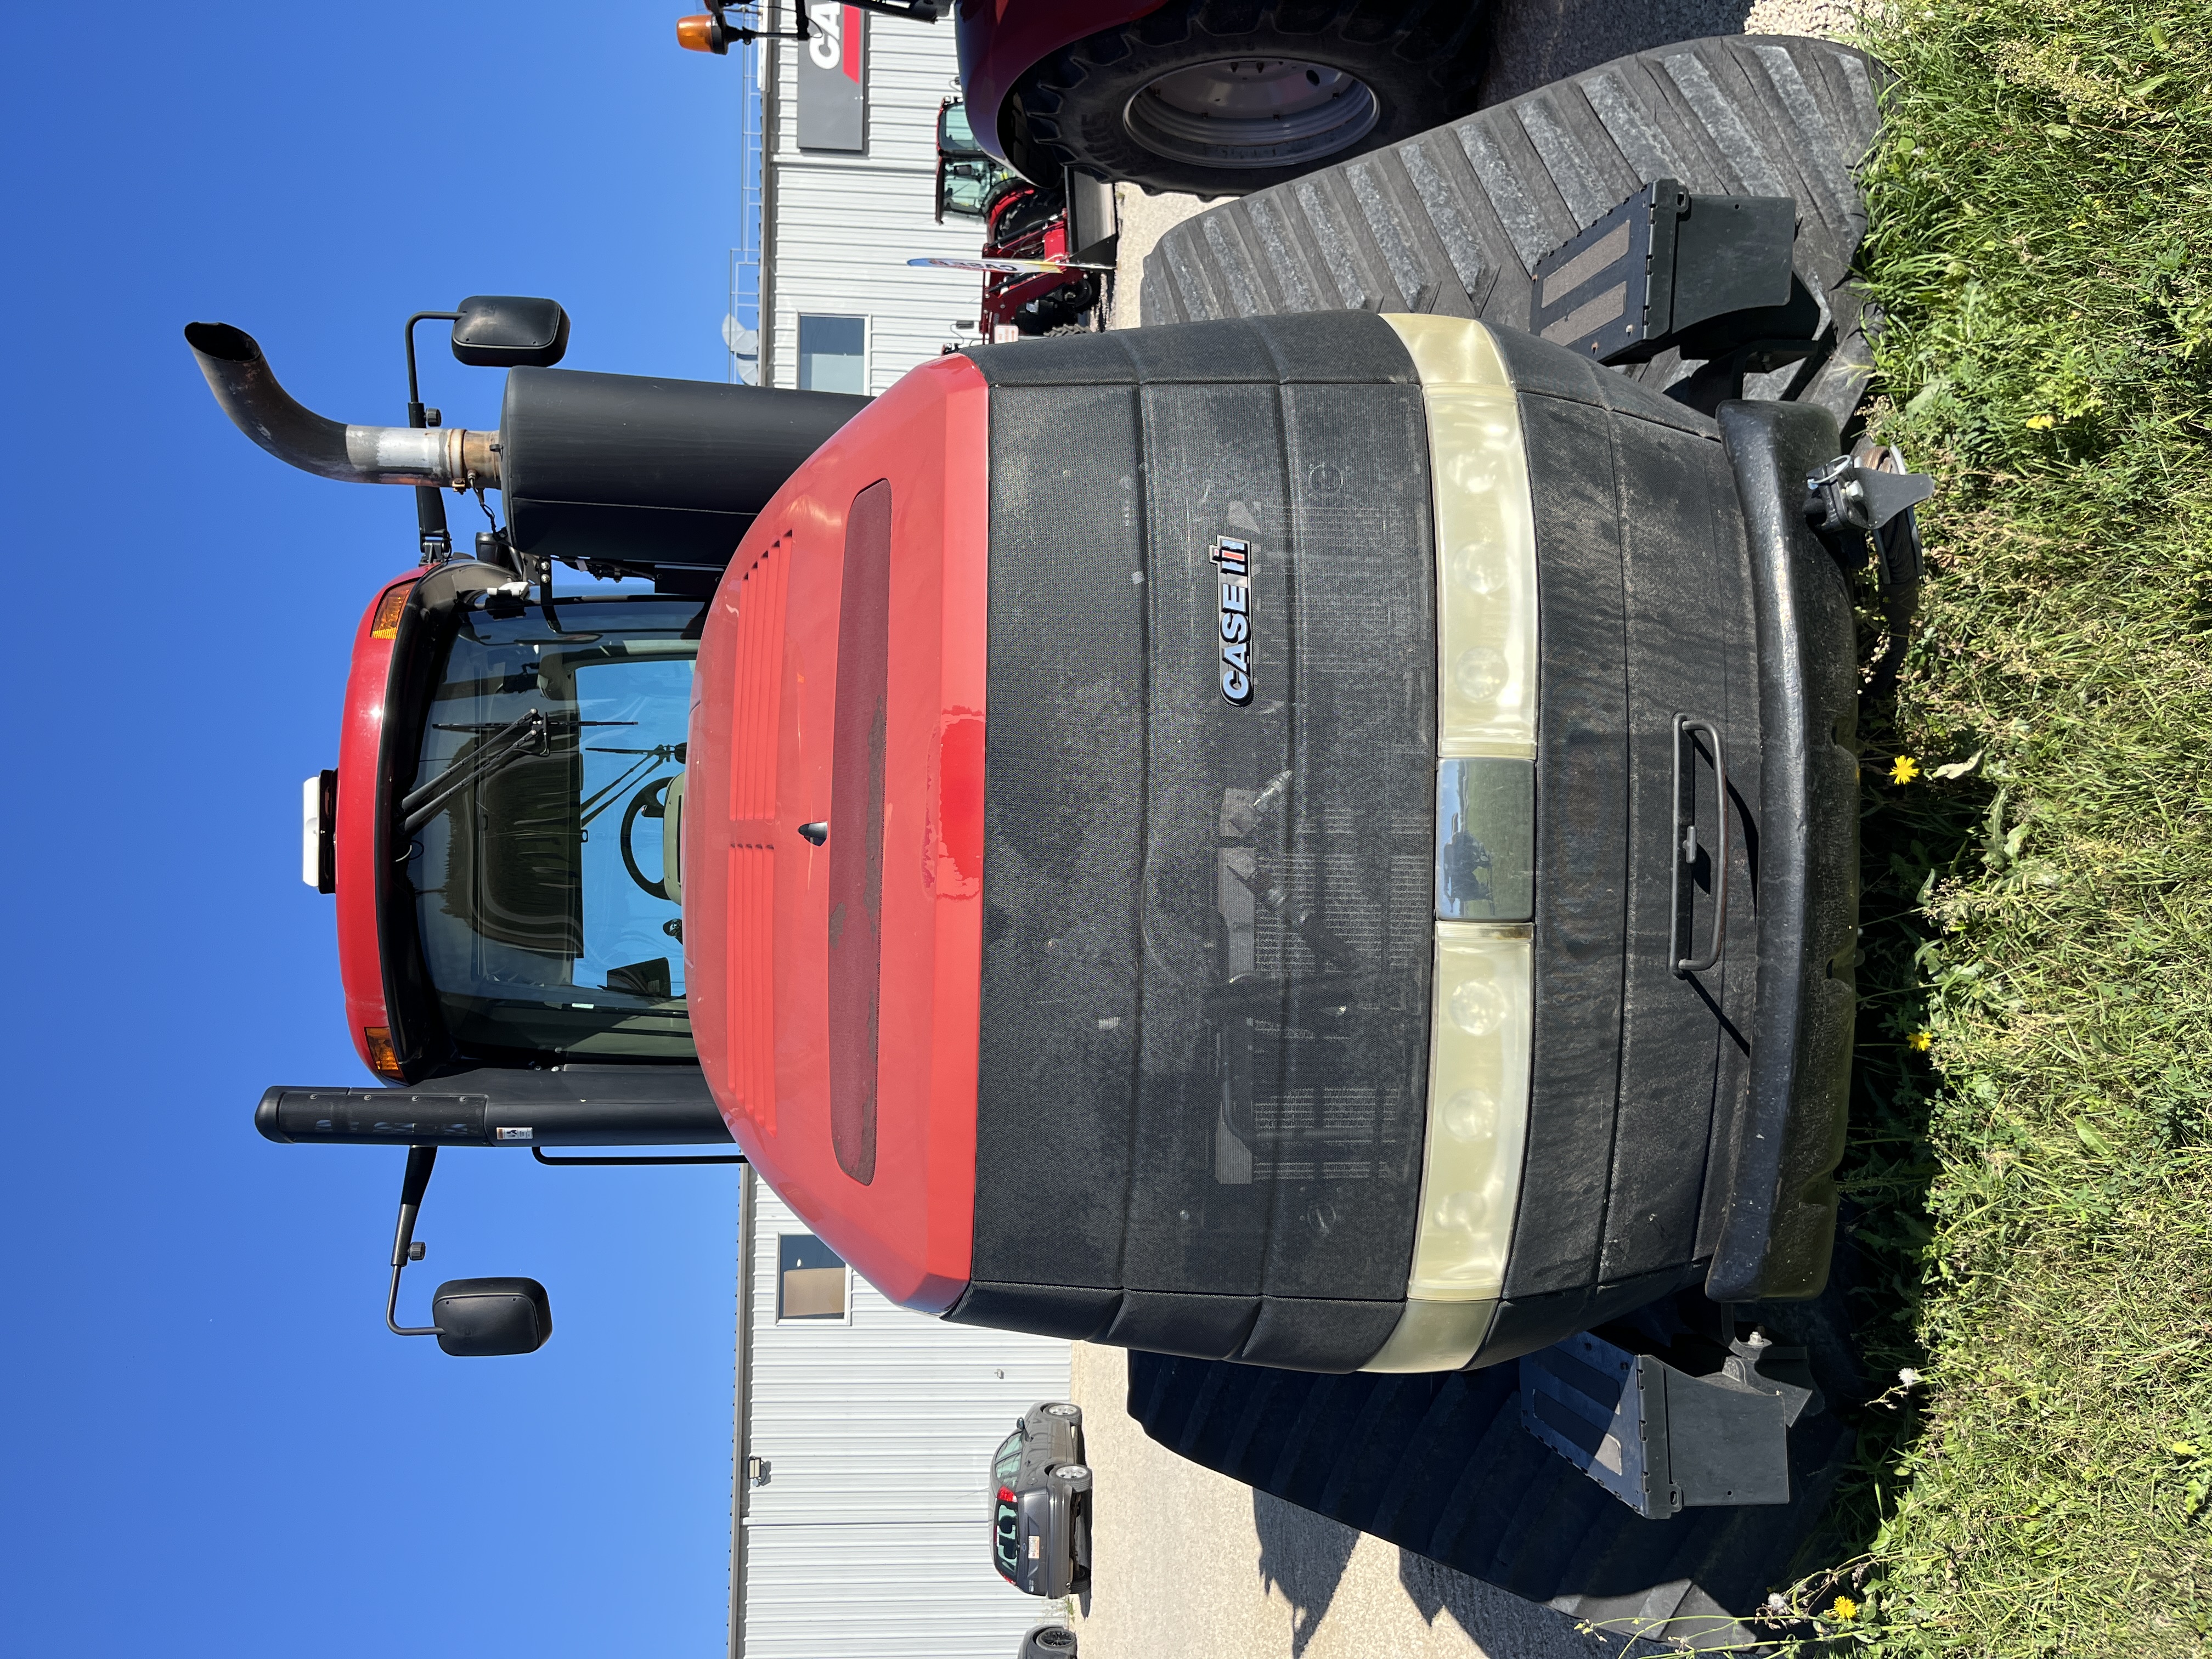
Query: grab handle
[1686, 852]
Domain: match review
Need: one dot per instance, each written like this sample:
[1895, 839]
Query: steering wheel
[650, 802]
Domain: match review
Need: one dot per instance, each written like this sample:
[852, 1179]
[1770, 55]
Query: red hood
[835, 988]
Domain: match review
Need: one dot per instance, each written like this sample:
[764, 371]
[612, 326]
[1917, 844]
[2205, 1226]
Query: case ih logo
[827, 45]
[833, 80]
[1234, 559]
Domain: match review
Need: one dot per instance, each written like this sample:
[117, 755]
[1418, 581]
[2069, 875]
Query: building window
[832, 354]
[811, 1280]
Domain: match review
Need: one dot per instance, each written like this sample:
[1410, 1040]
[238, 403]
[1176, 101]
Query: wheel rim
[1074, 1472]
[1060, 1411]
[1252, 112]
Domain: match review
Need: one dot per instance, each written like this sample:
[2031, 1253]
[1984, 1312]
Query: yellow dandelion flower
[1904, 769]
[1919, 1042]
[1844, 1611]
[2041, 423]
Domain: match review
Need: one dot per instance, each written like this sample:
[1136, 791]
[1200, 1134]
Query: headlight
[1479, 1022]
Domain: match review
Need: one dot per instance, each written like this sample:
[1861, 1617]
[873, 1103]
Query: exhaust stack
[240, 377]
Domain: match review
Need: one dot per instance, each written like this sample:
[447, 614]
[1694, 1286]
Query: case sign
[833, 82]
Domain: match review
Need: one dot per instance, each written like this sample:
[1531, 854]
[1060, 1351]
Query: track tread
[1453, 221]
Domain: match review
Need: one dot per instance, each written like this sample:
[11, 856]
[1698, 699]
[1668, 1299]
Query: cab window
[532, 829]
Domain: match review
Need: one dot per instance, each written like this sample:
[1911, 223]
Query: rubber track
[1452, 222]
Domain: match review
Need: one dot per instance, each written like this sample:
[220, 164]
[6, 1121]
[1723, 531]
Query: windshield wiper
[527, 735]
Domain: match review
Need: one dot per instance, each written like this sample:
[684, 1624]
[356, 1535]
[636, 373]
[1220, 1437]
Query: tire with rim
[1051, 1639]
[1073, 1412]
[1076, 1477]
[1220, 97]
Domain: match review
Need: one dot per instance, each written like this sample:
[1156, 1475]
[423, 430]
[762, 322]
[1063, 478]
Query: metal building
[864, 1435]
[846, 311]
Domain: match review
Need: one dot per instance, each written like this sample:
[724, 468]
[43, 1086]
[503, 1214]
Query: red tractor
[1179, 837]
[1022, 222]
[1323, 839]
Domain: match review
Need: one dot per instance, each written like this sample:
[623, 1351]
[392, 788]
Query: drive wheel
[1075, 1477]
[1220, 97]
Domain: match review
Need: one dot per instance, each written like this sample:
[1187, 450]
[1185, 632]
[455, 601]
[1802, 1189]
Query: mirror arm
[414, 395]
[420, 1162]
[435, 541]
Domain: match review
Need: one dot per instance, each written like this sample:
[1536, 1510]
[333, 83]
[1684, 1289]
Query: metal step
[1454, 221]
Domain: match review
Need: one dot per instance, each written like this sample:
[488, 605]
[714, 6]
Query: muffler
[240, 377]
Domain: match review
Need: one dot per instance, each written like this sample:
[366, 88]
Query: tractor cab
[968, 175]
[501, 832]
[526, 821]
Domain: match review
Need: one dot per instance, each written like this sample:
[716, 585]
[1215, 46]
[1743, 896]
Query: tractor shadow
[1304, 1557]
[1301, 1555]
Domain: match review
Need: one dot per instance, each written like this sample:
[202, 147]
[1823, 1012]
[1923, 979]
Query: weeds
[2029, 1175]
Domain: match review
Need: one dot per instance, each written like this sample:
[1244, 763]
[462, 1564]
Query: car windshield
[533, 825]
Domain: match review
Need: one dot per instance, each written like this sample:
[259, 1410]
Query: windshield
[965, 186]
[966, 176]
[533, 826]
[954, 136]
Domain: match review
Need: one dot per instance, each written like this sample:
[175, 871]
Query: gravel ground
[1189, 1563]
[1186, 1563]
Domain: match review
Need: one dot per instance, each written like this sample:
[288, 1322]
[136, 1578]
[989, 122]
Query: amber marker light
[385, 623]
[697, 34]
[383, 1059]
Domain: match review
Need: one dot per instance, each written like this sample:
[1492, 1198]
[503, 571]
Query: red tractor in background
[1022, 222]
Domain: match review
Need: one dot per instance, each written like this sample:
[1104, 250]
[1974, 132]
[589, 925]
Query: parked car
[1041, 1507]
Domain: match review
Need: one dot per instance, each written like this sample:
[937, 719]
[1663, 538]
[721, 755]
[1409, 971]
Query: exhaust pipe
[238, 376]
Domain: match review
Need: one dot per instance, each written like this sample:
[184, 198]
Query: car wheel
[1202, 96]
[1076, 1477]
[1061, 1408]
[1051, 1639]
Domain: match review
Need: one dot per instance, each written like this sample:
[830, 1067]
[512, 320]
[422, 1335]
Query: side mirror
[470, 1317]
[480, 1317]
[508, 330]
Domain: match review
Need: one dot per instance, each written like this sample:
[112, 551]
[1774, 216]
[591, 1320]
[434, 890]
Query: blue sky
[212, 1446]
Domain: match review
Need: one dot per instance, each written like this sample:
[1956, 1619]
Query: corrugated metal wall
[842, 228]
[870, 1535]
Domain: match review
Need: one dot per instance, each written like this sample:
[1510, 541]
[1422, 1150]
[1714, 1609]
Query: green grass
[2034, 1191]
